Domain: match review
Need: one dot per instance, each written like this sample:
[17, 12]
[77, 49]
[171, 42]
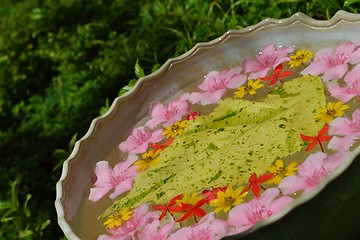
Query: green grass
[62, 62]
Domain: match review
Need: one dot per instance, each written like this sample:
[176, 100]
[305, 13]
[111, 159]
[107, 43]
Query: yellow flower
[225, 200]
[176, 129]
[114, 220]
[300, 57]
[192, 200]
[280, 171]
[250, 88]
[332, 110]
[149, 159]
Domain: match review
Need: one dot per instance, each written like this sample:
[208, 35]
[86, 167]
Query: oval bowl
[104, 135]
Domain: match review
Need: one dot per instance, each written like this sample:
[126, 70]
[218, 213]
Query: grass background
[63, 61]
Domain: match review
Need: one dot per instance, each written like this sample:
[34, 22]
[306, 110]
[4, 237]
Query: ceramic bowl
[76, 216]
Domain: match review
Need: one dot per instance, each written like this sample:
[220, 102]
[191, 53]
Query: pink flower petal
[97, 193]
[279, 204]
[336, 72]
[341, 144]
[344, 94]
[124, 186]
[292, 184]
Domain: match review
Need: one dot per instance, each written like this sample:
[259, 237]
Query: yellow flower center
[330, 111]
[280, 172]
[300, 56]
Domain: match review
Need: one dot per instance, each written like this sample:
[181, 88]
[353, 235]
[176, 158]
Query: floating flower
[192, 115]
[268, 58]
[332, 110]
[176, 129]
[208, 228]
[333, 64]
[310, 173]
[140, 139]
[300, 57]
[128, 229]
[119, 178]
[169, 207]
[344, 126]
[147, 160]
[161, 146]
[245, 215]
[191, 205]
[168, 115]
[280, 171]
[151, 231]
[212, 194]
[215, 85]
[321, 137]
[228, 199]
[249, 89]
[277, 75]
[115, 220]
[254, 182]
[352, 88]
[341, 144]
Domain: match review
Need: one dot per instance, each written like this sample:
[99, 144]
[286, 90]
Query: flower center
[148, 159]
[141, 137]
[280, 172]
[315, 178]
[229, 201]
[300, 57]
[330, 111]
[116, 180]
[259, 213]
[248, 88]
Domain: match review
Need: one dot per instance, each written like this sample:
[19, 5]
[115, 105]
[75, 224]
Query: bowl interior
[77, 215]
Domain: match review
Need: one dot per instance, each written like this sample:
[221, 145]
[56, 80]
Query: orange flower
[321, 137]
[277, 74]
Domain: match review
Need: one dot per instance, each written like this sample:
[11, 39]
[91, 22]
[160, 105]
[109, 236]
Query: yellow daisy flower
[147, 160]
[300, 57]
[249, 89]
[280, 171]
[176, 129]
[331, 111]
[225, 200]
[114, 220]
[192, 200]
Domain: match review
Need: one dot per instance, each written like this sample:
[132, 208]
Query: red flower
[321, 137]
[192, 116]
[277, 74]
[254, 182]
[212, 194]
[192, 210]
[168, 207]
[161, 146]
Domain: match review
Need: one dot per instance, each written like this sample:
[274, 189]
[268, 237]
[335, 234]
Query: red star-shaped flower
[321, 137]
[277, 74]
[254, 182]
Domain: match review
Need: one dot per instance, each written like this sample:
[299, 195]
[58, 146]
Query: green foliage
[16, 219]
[60, 61]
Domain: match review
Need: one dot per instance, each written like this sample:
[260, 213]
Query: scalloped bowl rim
[297, 17]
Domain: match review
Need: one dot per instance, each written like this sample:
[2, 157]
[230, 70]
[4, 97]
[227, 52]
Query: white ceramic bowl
[104, 135]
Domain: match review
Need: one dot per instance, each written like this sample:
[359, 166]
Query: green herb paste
[225, 147]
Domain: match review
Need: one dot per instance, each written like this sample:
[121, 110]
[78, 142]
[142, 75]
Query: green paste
[225, 147]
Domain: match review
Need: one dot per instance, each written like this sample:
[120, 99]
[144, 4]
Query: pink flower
[139, 140]
[208, 228]
[120, 178]
[352, 88]
[341, 144]
[151, 232]
[140, 218]
[170, 114]
[315, 168]
[334, 64]
[215, 85]
[245, 215]
[346, 127]
[269, 57]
